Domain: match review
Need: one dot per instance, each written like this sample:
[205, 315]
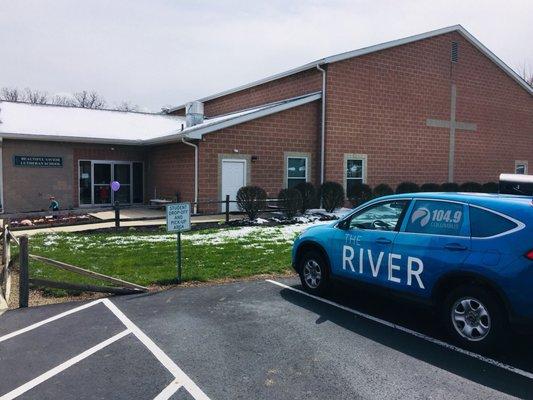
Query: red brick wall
[170, 169]
[378, 105]
[295, 85]
[103, 152]
[268, 138]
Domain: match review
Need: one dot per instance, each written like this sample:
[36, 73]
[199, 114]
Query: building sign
[38, 161]
[178, 217]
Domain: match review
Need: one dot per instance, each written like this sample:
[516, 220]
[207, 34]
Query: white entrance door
[233, 178]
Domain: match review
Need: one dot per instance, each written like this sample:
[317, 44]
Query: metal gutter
[197, 133]
[323, 125]
[196, 165]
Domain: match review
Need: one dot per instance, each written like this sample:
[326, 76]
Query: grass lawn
[150, 258]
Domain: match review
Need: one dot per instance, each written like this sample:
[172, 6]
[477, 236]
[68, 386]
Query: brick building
[434, 107]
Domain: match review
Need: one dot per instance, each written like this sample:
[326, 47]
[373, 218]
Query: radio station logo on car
[421, 214]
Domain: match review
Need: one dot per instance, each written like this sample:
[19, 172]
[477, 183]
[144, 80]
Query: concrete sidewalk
[201, 219]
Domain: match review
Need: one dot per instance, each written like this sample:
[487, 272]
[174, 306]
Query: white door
[233, 178]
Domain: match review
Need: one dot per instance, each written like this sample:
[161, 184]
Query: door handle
[383, 241]
[455, 247]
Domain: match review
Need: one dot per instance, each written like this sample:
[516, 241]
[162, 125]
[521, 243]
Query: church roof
[74, 124]
[371, 49]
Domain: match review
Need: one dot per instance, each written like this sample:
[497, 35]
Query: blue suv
[469, 255]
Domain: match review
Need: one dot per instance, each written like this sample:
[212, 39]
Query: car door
[434, 239]
[362, 244]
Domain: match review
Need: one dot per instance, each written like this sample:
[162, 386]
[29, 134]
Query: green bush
[382, 190]
[472, 187]
[309, 198]
[430, 187]
[332, 195]
[449, 187]
[251, 200]
[290, 200]
[360, 194]
[490, 187]
[407, 187]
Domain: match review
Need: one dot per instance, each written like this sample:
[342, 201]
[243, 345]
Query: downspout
[195, 208]
[323, 125]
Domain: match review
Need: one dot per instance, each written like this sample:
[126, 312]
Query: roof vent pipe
[194, 113]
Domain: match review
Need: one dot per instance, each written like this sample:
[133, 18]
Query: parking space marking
[487, 360]
[61, 367]
[169, 390]
[167, 362]
[48, 320]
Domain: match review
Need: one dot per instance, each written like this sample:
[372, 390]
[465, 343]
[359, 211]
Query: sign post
[178, 220]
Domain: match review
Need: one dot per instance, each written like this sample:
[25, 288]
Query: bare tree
[11, 94]
[87, 99]
[127, 106]
[35, 96]
[63, 100]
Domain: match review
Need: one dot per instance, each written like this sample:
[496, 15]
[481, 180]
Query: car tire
[475, 318]
[314, 272]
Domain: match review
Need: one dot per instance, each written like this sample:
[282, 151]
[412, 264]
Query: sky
[160, 53]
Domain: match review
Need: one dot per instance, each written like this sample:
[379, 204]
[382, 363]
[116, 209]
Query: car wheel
[313, 272]
[475, 318]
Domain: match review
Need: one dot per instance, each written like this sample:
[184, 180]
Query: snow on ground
[248, 236]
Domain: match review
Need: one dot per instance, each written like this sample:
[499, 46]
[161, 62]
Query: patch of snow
[84, 123]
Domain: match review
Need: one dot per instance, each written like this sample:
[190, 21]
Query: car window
[382, 216]
[484, 223]
[436, 218]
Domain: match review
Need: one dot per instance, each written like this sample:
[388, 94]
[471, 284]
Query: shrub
[308, 192]
[361, 194]
[383, 190]
[449, 187]
[407, 187]
[251, 200]
[472, 187]
[430, 187]
[490, 187]
[290, 200]
[332, 195]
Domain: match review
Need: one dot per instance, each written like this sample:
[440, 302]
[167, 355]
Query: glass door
[95, 179]
[101, 183]
[122, 174]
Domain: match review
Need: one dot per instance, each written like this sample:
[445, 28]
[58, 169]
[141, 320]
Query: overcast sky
[165, 52]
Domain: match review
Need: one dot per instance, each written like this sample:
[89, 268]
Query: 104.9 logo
[425, 216]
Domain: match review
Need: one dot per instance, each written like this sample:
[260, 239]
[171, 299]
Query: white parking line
[180, 376]
[48, 320]
[169, 390]
[488, 360]
[61, 367]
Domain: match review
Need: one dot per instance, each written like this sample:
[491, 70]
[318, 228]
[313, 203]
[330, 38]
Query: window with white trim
[296, 171]
[355, 174]
[520, 167]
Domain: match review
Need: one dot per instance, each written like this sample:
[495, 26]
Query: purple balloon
[115, 186]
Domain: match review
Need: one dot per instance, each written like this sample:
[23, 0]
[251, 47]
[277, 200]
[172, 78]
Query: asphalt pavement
[248, 340]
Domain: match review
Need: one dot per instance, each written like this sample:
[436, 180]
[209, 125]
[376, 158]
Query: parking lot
[248, 340]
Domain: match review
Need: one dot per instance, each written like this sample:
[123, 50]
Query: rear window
[484, 223]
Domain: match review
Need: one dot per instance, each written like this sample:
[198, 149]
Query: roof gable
[372, 49]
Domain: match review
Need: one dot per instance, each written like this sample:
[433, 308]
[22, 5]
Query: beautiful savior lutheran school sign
[38, 161]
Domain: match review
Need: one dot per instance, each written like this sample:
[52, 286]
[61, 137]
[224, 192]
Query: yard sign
[179, 220]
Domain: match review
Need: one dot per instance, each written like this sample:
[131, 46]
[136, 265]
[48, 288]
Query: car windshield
[382, 216]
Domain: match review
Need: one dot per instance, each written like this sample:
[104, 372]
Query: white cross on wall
[452, 125]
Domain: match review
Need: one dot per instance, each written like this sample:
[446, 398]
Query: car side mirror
[344, 225]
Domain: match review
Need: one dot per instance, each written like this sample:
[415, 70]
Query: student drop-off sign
[178, 217]
[179, 220]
